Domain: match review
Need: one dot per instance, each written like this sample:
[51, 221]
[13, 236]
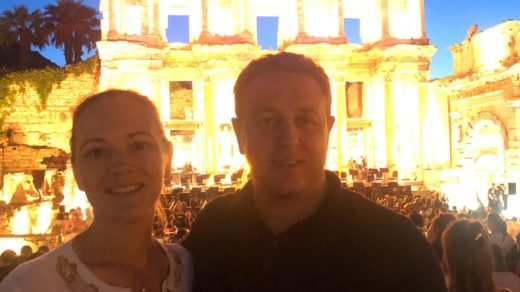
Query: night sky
[447, 22]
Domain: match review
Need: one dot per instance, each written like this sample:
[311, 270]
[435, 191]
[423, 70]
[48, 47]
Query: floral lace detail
[178, 270]
[69, 272]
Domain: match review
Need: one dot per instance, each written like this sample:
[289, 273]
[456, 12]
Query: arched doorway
[483, 154]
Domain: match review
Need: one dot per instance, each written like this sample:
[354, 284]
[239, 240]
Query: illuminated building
[456, 135]
[376, 85]
[483, 96]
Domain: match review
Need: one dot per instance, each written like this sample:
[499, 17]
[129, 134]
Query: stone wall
[22, 158]
[34, 125]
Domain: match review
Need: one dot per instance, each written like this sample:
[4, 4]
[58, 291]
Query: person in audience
[499, 236]
[418, 220]
[119, 156]
[434, 233]
[6, 262]
[502, 278]
[468, 258]
[25, 254]
[41, 250]
[513, 256]
[293, 227]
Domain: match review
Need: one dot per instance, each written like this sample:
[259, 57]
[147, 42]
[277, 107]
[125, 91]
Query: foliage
[69, 25]
[42, 80]
[73, 26]
[22, 29]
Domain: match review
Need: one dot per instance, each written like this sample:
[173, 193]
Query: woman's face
[120, 158]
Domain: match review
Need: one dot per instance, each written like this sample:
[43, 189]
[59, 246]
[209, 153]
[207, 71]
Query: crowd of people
[293, 226]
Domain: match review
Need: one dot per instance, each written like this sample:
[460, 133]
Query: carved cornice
[208, 38]
[181, 125]
[150, 40]
[480, 89]
[390, 42]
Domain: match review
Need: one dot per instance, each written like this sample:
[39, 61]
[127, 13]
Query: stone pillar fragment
[385, 32]
[301, 22]
[341, 20]
[112, 26]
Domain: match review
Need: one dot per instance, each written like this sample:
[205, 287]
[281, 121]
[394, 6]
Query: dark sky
[446, 24]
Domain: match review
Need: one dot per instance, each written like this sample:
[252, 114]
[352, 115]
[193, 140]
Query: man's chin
[285, 189]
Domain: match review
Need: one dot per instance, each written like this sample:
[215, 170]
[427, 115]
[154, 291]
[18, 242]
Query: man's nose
[288, 133]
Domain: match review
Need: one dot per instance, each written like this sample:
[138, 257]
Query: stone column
[204, 15]
[112, 25]
[385, 32]
[235, 7]
[341, 21]
[247, 16]
[423, 26]
[389, 119]
[301, 23]
[145, 18]
[341, 125]
[210, 133]
[156, 29]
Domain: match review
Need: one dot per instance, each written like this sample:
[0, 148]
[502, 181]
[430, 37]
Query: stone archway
[482, 153]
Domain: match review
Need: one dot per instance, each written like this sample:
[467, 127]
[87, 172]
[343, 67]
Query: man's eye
[306, 121]
[140, 146]
[265, 121]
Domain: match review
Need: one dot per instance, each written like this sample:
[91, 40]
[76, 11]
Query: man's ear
[330, 123]
[239, 133]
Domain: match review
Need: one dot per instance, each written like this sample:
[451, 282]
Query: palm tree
[21, 30]
[73, 27]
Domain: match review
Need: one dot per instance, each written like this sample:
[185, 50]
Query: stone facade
[483, 96]
[391, 63]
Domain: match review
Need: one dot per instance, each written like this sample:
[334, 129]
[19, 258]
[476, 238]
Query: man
[293, 227]
[492, 198]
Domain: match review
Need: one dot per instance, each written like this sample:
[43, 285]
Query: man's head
[281, 62]
[283, 122]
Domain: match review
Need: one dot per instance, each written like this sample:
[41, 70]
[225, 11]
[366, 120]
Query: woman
[120, 157]
[434, 234]
[499, 236]
[467, 258]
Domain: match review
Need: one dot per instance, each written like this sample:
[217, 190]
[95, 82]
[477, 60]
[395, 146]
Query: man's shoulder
[358, 213]
[221, 206]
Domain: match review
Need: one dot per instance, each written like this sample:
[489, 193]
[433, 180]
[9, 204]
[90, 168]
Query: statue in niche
[472, 31]
[57, 185]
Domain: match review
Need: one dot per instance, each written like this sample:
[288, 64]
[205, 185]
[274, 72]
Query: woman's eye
[96, 153]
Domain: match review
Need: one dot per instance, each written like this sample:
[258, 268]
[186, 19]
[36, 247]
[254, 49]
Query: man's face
[283, 132]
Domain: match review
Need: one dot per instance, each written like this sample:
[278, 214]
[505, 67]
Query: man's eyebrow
[308, 109]
[265, 109]
[133, 134]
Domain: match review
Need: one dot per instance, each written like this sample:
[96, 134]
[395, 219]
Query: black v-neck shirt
[348, 244]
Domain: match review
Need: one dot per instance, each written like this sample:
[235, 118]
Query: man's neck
[279, 213]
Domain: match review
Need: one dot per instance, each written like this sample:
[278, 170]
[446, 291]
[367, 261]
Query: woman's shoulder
[181, 267]
[177, 250]
[38, 274]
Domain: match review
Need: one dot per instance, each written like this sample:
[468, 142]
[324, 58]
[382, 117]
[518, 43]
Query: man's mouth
[125, 189]
[287, 162]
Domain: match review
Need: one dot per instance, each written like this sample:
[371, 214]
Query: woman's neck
[115, 242]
